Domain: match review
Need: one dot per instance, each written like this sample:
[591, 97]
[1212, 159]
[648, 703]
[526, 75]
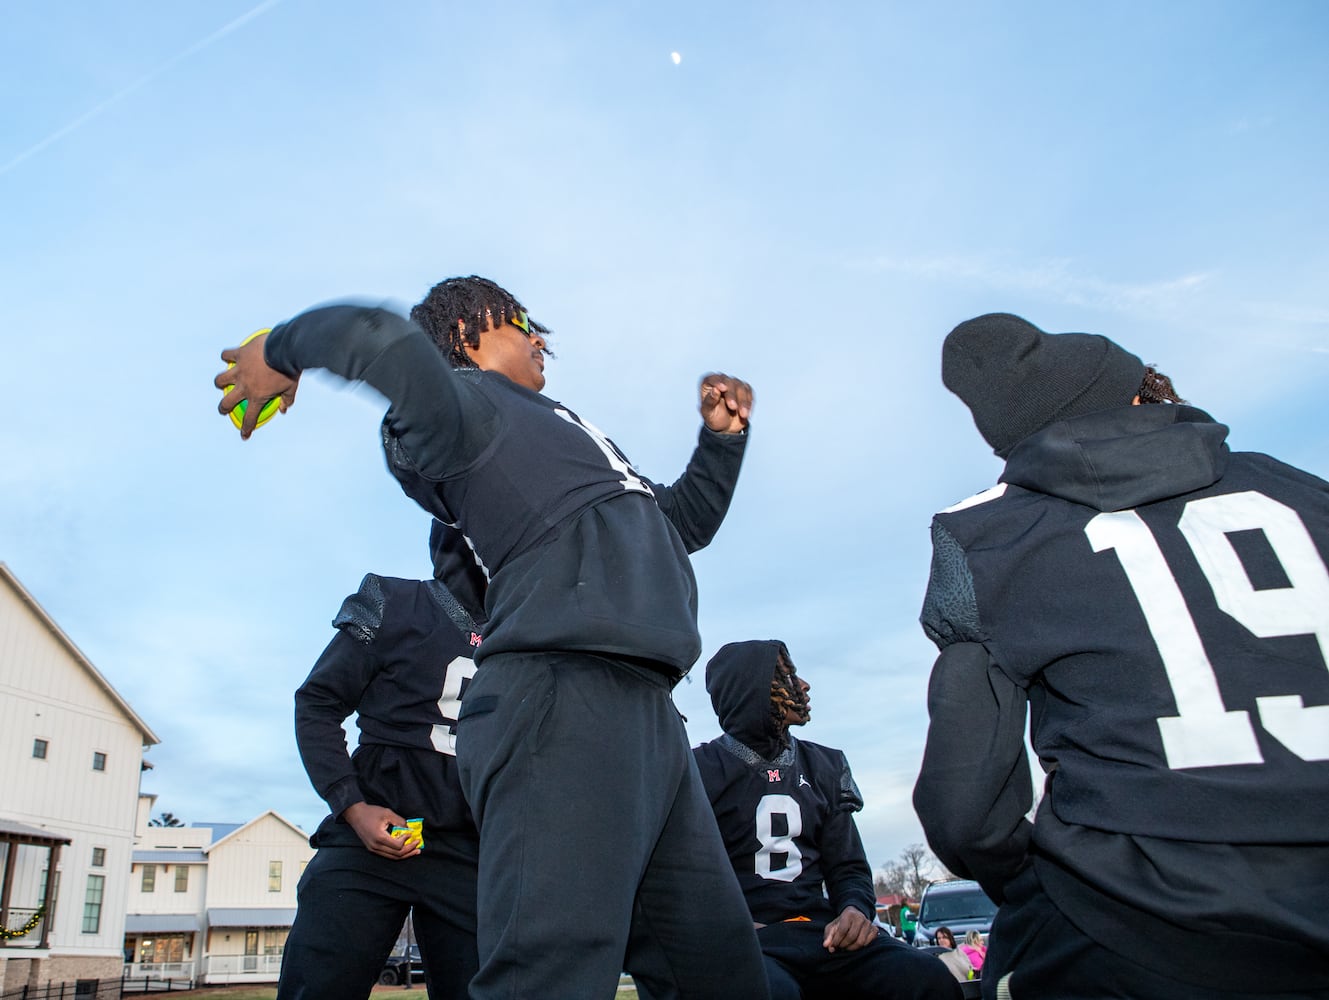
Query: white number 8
[769, 807]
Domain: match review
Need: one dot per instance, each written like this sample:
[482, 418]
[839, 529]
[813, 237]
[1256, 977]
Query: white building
[213, 903]
[71, 753]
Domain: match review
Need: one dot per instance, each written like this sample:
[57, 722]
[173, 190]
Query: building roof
[13, 830]
[250, 916]
[7, 575]
[220, 831]
[271, 812]
[161, 923]
[171, 856]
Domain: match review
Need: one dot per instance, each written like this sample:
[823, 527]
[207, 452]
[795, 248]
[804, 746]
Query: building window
[274, 876]
[55, 887]
[98, 761]
[99, 857]
[163, 948]
[274, 940]
[39, 749]
[92, 904]
[181, 878]
[149, 878]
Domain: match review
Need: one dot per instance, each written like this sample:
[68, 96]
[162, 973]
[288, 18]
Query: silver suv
[958, 904]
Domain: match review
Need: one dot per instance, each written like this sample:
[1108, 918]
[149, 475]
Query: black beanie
[1016, 379]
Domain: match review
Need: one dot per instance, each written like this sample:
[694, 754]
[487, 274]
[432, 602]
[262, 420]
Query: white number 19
[1203, 733]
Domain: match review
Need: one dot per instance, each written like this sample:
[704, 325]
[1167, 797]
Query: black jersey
[401, 660]
[581, 552]
[788, 827]
[1165, 604]
[787, 821]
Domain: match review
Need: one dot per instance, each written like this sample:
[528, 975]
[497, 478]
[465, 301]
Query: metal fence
[154, 984]
[80, 989]
[157, 977]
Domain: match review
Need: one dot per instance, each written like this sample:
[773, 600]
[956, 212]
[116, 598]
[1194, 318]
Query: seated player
[401, 659]
[1162, 605]
[786, 811]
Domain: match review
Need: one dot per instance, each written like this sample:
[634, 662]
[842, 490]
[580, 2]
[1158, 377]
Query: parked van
[958, 904]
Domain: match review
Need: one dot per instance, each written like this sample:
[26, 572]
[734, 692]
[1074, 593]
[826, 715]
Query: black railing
[82, 989]
[154, 984]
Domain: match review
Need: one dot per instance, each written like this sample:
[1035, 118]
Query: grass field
[270, 992]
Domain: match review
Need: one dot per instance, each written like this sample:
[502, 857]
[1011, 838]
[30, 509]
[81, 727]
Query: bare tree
[890, 880]
[918, 868]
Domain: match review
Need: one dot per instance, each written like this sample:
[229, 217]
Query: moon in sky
[676, 57]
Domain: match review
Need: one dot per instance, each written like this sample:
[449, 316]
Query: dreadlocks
[1157, 388]
[457, 310]
[786, 695]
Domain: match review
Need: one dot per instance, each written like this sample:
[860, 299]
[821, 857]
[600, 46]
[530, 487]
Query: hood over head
[1122, 458]
[738, 679]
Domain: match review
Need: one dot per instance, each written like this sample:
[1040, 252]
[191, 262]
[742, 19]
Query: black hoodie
[784, 806]
[1144, 590]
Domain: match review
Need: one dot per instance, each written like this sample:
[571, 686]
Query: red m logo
[773, 774]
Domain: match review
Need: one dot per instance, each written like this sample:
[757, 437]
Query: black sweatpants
[799, 968]
[598, 848]
[1035, 953]
[352, 905]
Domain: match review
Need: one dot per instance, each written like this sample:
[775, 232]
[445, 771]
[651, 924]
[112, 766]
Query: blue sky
[811, 198]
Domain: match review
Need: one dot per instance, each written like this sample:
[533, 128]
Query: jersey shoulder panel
[950, 606]
[831, 767]
[361, 614]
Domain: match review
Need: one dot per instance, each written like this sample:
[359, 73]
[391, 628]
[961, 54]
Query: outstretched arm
[698, 500]
[438, 425]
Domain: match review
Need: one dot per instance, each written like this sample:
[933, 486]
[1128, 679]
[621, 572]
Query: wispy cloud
[1055, 279]
[138, 84]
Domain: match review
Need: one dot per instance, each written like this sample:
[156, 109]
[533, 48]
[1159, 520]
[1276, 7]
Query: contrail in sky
[138, 84]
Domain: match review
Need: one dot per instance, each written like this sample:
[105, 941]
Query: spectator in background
[951, 957]
[974, 950]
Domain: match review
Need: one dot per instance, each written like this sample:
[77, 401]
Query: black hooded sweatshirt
[1161, 606]
[578, 550]
[785, 807]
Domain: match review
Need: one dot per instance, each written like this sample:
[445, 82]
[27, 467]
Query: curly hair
[1157, 388]
[786, 693]
[457, 310]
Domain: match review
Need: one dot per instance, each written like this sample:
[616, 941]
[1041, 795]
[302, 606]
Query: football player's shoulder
[712, 762]
[830, 768]
[819, 753]
[709, 753]
[362, 614]
[989, 495]
[1254, 464]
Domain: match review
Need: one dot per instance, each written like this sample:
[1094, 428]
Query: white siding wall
[238, 867]
[46, 693]
[164, 899]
